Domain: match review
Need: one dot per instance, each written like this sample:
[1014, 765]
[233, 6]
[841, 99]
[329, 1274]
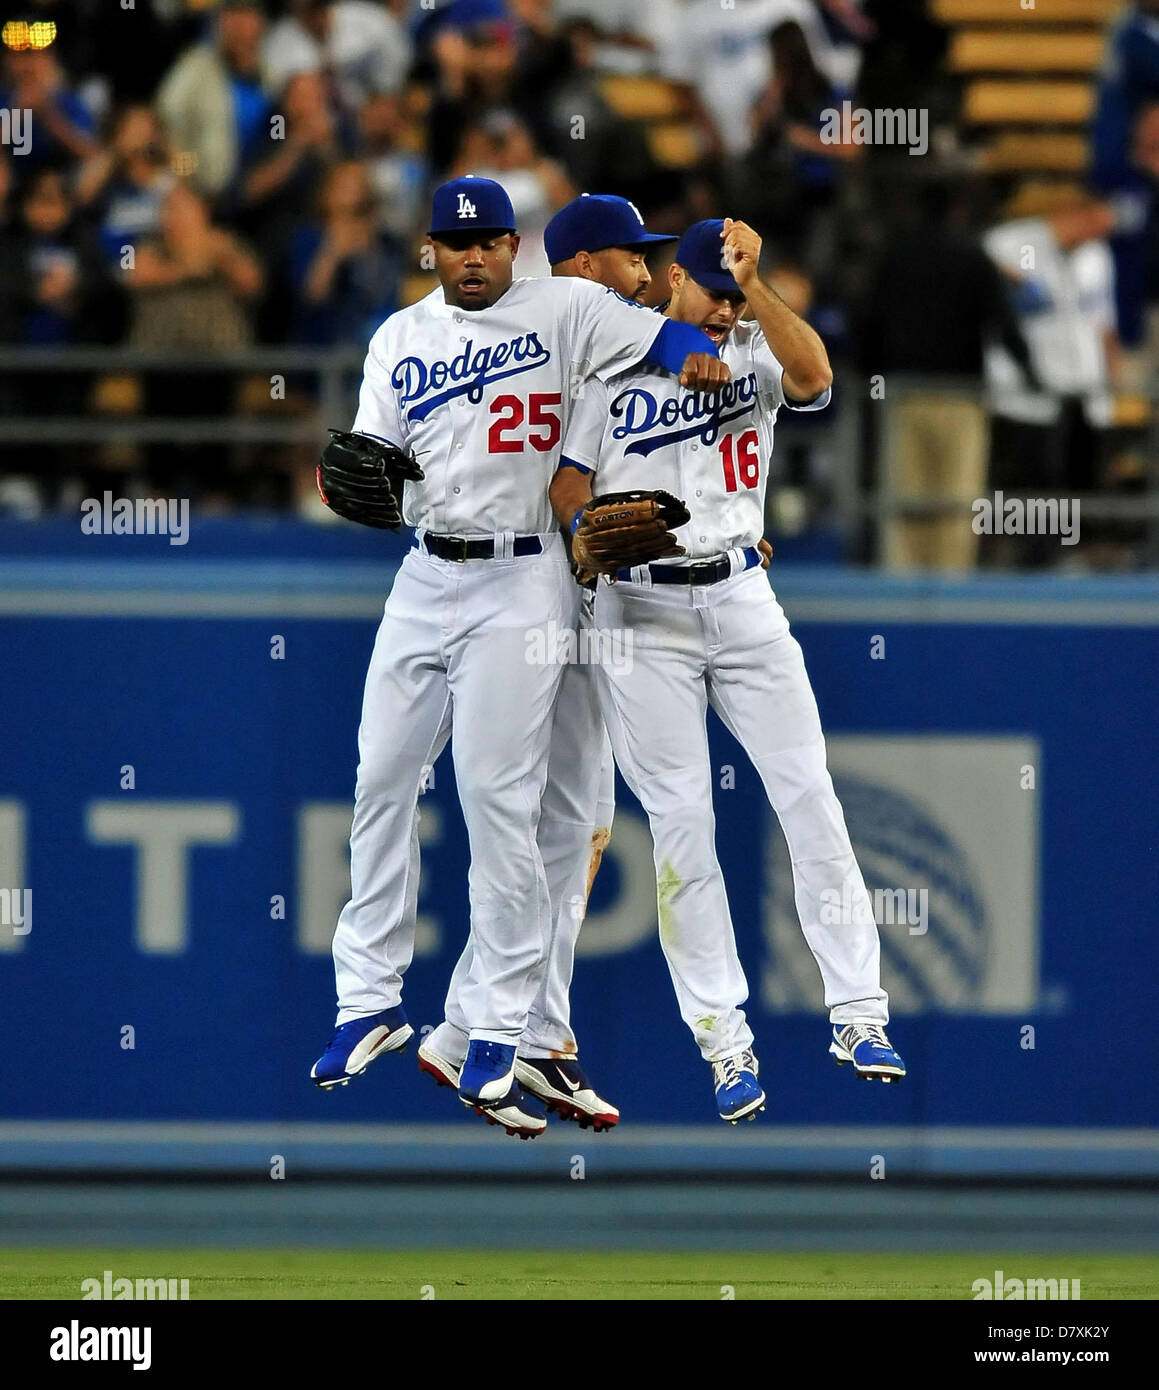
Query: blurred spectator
[398, 173]
[789, 177]
[500, 148]
[1129, 80]
[212, 102]
[631, 37]
[573, 124]
[192, 284]
[345, 271]
[935, 301]
[799, 478]
[272, 194]
[53, 287]
[476, 64]
[724, 54]
[436, 15]
[1139, 369]
[53, 292]
[902, 61]
[357, 44]
[191, 292]
[544, 61]
[60, 126]
[1050, 440]
[287, 178]
[125, 184]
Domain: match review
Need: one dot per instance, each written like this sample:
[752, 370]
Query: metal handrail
[332, 366]
[855, 503]
[109, 360]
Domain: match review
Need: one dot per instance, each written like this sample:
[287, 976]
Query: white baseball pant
[453, 652]
[728, 645]
[574, 826]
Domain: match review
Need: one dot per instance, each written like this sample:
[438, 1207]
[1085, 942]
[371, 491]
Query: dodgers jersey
[644, 430]
[1065, 302]
[484, 396]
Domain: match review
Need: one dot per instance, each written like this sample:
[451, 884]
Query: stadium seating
[642, 98]
[998, 50]
[990, 102]
[1052, 152]
[1011, 12]
[674, 144]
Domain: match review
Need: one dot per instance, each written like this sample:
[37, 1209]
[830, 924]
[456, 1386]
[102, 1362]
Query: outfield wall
[994, 742]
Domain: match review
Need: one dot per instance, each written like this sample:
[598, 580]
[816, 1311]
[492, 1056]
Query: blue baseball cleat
[487, 1085]
[356, 1044]
[870, 1051]
[738, 1092]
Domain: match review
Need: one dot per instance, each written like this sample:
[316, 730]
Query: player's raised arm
[699, 369]
[807, 373]
[610, 334]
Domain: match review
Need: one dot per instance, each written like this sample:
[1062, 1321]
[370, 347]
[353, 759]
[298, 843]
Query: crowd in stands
[206, 176]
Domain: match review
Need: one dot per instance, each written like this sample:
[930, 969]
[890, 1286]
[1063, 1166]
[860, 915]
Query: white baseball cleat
[437, 1064]
[562, 1086]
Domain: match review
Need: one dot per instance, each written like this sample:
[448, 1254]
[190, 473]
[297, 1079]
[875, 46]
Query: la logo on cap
[466, 207]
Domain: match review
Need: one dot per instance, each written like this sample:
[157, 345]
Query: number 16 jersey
[642, 429]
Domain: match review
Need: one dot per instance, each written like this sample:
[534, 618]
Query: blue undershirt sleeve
[673, 344]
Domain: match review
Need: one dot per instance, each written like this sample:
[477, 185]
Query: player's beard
[484, 297]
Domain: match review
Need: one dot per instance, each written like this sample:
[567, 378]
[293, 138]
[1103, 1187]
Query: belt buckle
[458, 546]
[706, 568]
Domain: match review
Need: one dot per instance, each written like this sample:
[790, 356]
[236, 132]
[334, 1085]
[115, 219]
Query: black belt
[458, 548]
[699, 572]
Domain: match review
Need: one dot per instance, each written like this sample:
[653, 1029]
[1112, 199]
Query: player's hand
[766, 551]
[742, 250]
[703, 372]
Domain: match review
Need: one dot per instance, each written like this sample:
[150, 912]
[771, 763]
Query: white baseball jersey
[724, 52]
[644, 430]
[367, 49]
[477, 395]
[1065, 302]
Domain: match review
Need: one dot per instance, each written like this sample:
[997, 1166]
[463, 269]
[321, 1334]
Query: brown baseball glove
[620, 529]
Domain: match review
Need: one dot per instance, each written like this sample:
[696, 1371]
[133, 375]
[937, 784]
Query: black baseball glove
[361, 478]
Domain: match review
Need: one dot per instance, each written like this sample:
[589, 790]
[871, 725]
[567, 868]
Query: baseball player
[706, 629]
[476, 381]
[602, 239]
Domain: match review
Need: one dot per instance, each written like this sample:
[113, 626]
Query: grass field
[474, 1274]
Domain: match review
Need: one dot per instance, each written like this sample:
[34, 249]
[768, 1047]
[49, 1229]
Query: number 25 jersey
[484, 396]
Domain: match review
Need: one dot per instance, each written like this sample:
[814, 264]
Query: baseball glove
[620, 529]
[361, 479]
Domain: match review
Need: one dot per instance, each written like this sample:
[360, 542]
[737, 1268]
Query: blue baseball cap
[471, 204]
[701, 253]
[593, 222]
